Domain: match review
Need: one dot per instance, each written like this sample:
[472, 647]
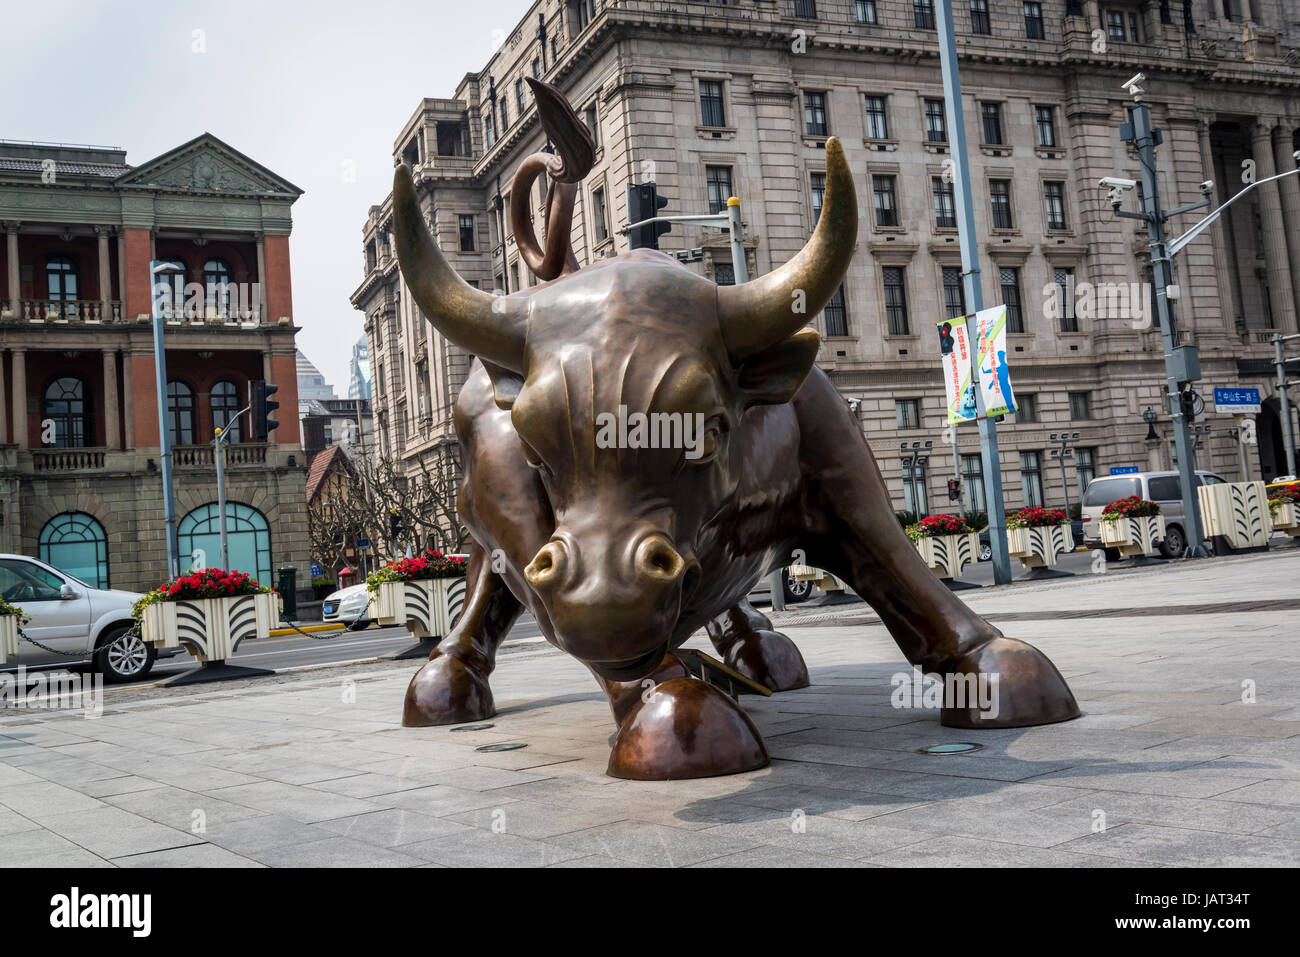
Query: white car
[350, 605]
[89, 625]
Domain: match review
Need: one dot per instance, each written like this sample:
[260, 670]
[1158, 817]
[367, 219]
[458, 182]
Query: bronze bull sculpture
[623, 550]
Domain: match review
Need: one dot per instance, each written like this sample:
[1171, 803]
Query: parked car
[94, 624]
[1163, 488]
[348, 605]
[796, 591]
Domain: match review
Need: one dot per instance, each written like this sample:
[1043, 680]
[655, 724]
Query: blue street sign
[1123, 469]
[363, 543]
[316, 570]
[1236, 401]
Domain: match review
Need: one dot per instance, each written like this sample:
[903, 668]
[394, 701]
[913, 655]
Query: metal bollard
[289, 591]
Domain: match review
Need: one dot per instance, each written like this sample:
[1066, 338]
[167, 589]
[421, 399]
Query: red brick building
[80, 483]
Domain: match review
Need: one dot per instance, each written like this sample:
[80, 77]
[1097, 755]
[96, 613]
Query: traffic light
[263, 406]
[394, 525]
[954, 489]
[644, 202]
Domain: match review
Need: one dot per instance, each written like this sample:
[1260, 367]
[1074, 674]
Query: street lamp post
[158, 273]
[1064, 440]
[913, 456]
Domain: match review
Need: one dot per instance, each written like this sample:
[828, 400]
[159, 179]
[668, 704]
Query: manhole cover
[962, 748]
[501, 747]
[472, 727]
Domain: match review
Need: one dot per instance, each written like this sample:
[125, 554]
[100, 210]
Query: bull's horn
[488, 326]
[770, 308]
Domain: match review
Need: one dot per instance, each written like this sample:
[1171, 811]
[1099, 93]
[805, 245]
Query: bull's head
[578, 362]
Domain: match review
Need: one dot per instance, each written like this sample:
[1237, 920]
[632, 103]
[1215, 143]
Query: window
[519, 95]
[954, 294]
[805, 9]
[180, 413]
[248, 539]
[1031, 479]
[718, 179]
[1054, 200]
[67, 405]
[882, 189]
[877, 122]
[837, 319]
[945, 204]
[21, 582]
[225, 410]
[76, 544]
[1010, 280]
[466, 224]
[814, 114]
[61, 284]
[1064, 278]
[895, 300]
[1000, 199]
[1115, 25]
[972, 479]
[936, 126]
[711, 108]
[505, 114]
[586, 13]
[593, 125]
[991, 115]
[1166, 488]
[979, 17]
[1080, 406]
[489, 130]
[914, 492]
[1027, 407]
[1085, 467]
[817, 181]
[537, 68]
[923, 14]
[1045, 120]
[907, 412]
[724, 274]
[1033, 20]
[216, 286]
[169, 286]
[865, 10]
[555, 48]
[601, 224]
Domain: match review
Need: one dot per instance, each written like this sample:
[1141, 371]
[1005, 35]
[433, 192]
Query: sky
[311, 89]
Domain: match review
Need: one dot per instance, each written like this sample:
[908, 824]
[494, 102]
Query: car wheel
[360, 625]
[1175, 542]
[795, 589]
[124, 656]
[986, 551]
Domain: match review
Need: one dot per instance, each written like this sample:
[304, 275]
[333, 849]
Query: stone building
[79, 433]
[738, 98]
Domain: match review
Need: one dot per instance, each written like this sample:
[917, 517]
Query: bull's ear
[774, 375]
[505, 384]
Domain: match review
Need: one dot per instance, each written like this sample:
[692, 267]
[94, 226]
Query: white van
[1163, 488]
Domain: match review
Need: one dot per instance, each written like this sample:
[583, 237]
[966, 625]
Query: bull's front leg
[745, 639]
[452, 688]
[935, 629]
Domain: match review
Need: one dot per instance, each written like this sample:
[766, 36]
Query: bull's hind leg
[452, 687]
[864, 544]
[745, 639]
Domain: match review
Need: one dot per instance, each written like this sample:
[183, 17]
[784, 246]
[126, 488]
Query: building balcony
[67, 460]
[238, 455]
[65, 311]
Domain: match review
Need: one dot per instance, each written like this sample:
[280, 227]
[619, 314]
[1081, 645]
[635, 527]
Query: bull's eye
[711, 440]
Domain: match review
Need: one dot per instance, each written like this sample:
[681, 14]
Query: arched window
[216, 286]
[225, 405]
[61, 284]
[180, 413]
[248, 540]
[75, 543]
[169, 288]
[67, 406]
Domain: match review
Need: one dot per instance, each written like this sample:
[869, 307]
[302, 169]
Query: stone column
[128, 424]
[1269, 204]
[20, 397]
[111, 430]
[105, 276]
[1283, 148]
[4, 420]
[261, 279]
[15, 286]
[1229, 307]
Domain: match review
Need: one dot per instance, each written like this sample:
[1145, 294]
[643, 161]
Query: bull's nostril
[545, 566]
[658, 560]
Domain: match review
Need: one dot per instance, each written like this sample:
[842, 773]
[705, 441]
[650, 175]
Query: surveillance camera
[1117, 182]
[1132, 87]
[1207, 187]
[1296, 157]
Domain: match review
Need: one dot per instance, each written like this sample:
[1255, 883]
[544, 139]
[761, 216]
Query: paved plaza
[1188, 754]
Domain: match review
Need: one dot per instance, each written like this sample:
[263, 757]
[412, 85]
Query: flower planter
[1038, 546]
[210, 628]
[8, 637]
[948, 554]
[1133, 536]
[1286, 518]
[1237, 512]
[427, 608]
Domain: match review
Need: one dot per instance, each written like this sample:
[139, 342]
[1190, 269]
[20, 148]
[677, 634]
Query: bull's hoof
[1015, 686]
[771, 659]
[446, 691]
[686, 729]
[625, 695]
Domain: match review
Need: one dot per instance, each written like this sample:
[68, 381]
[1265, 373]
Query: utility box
[1186, 364]
[289, 591]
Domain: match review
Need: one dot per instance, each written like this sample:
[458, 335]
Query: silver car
[350, 606]
[88, 625]
[1163, 488]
